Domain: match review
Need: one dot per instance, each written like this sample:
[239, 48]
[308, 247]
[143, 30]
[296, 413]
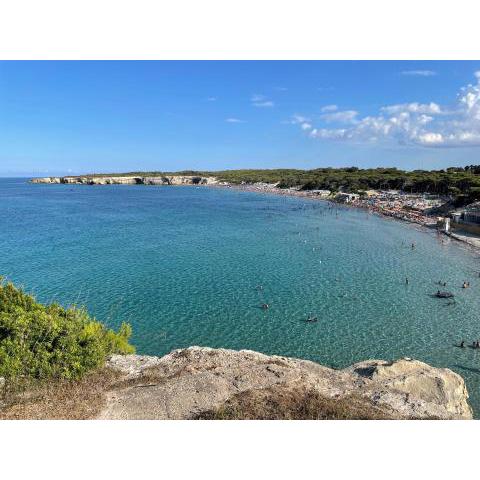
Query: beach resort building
[346, 197]
[468, 219]
[320, 193]
[471, 214]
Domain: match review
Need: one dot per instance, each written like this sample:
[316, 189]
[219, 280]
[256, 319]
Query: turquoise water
[182, 264]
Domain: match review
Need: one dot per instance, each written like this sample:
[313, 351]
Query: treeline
[454, 181]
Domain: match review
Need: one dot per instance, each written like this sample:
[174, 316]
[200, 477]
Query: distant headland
[130, 180]
[453, 181]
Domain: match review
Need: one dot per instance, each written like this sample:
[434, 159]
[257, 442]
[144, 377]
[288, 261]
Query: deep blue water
[182, 264]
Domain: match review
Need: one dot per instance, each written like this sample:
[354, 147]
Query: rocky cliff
[130, 180]
[200, 382]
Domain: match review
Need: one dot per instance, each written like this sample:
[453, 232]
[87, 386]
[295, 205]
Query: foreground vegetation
[86, 397]
[283, 403]
[459, 182]
[50, 342]
[53, 366]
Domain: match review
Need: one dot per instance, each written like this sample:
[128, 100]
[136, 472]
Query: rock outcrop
[185, 383]
[130, 180]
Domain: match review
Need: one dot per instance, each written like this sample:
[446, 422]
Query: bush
[41, 341]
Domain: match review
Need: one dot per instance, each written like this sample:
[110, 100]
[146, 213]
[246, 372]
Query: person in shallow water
[265, 306]
[462, 344]
[406, 280]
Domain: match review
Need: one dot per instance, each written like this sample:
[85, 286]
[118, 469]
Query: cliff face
[197, 381]
[130, 180]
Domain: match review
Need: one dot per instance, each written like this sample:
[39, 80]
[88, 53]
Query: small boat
[444, 295]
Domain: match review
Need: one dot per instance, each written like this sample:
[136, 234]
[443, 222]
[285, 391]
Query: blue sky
[78, 117]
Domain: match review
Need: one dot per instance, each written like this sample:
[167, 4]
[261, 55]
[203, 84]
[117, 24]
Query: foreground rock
[130, 180]
[200, 382]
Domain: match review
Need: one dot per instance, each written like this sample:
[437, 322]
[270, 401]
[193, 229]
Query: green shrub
[42, 341]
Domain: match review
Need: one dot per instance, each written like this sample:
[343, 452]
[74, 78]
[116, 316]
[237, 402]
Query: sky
[60, 118]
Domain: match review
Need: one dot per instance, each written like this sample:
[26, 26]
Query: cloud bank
[421, 124]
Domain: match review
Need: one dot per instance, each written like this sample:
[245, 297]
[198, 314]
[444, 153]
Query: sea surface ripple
[192, 266]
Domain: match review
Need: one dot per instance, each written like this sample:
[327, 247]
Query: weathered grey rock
[46, 180]
[199, 379]
[130, 180]
[156, 181]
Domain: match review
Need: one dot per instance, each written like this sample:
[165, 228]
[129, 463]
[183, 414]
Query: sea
[194, 265]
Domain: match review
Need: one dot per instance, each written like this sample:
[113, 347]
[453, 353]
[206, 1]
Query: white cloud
[430, 138]
[346, 116]
[425, 124]
[419, 73]
[261, 101]
[296, 119]
[234, 120]
[329, 108]
[304, 122]
[212, 99]
[415, 107]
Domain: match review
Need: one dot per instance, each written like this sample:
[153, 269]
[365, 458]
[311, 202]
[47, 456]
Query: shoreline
[261, 188]
[466, 240]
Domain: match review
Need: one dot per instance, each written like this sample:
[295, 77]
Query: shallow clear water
[182, 264]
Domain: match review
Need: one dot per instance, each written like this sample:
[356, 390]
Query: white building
[346, 197]
[471, 215]
[321, 193]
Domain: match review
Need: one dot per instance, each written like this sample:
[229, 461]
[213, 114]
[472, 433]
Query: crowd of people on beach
[389, 207]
